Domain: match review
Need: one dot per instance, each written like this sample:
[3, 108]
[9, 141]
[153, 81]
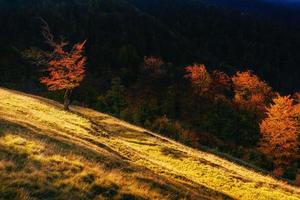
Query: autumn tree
[279, 132]
[251, 92]
[200, 78]
[297, 115]
[65, 69]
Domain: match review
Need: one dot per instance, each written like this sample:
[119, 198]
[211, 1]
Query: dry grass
[46, 153]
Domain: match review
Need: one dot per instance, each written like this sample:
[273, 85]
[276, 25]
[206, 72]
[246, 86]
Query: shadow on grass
[40, 180]
[72, 143]
[22, 173]
[205, 192]
[172, 152]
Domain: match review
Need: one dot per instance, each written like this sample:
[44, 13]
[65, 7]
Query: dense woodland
[143, 63]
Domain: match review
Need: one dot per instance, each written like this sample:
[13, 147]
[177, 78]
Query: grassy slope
[46, 153]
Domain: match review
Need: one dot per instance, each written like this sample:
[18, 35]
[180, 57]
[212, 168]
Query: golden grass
[48, 153]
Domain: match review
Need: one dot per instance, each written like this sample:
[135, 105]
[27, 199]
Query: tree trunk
[67, 98]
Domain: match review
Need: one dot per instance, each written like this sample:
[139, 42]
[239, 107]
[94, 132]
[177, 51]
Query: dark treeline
[120, 80]
[119, 34]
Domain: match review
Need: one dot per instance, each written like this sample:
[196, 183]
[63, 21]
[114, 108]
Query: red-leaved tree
[65, 69]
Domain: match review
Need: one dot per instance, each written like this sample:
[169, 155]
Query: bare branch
[47, 33]
[37, 56]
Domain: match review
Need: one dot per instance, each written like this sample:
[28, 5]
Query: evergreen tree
[114, 100]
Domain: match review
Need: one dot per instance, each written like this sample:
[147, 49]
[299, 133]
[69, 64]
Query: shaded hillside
[120, 33]
[46, 153]
[227, 38]
[284, 11]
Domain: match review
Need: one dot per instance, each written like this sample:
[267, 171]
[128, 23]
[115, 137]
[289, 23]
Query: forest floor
[47, 153]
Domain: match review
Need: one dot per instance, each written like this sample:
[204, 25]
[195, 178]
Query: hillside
[284, 11]
[46, 153]
[121, 32]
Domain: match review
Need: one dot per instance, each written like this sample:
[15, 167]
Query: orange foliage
[279, 132]
[297, 110]
[66, 69]
[200, 78]
[296, 113]
[250, 91]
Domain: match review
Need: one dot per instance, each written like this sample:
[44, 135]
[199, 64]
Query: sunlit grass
[39, 169]
[42, 115]
[46, 152]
